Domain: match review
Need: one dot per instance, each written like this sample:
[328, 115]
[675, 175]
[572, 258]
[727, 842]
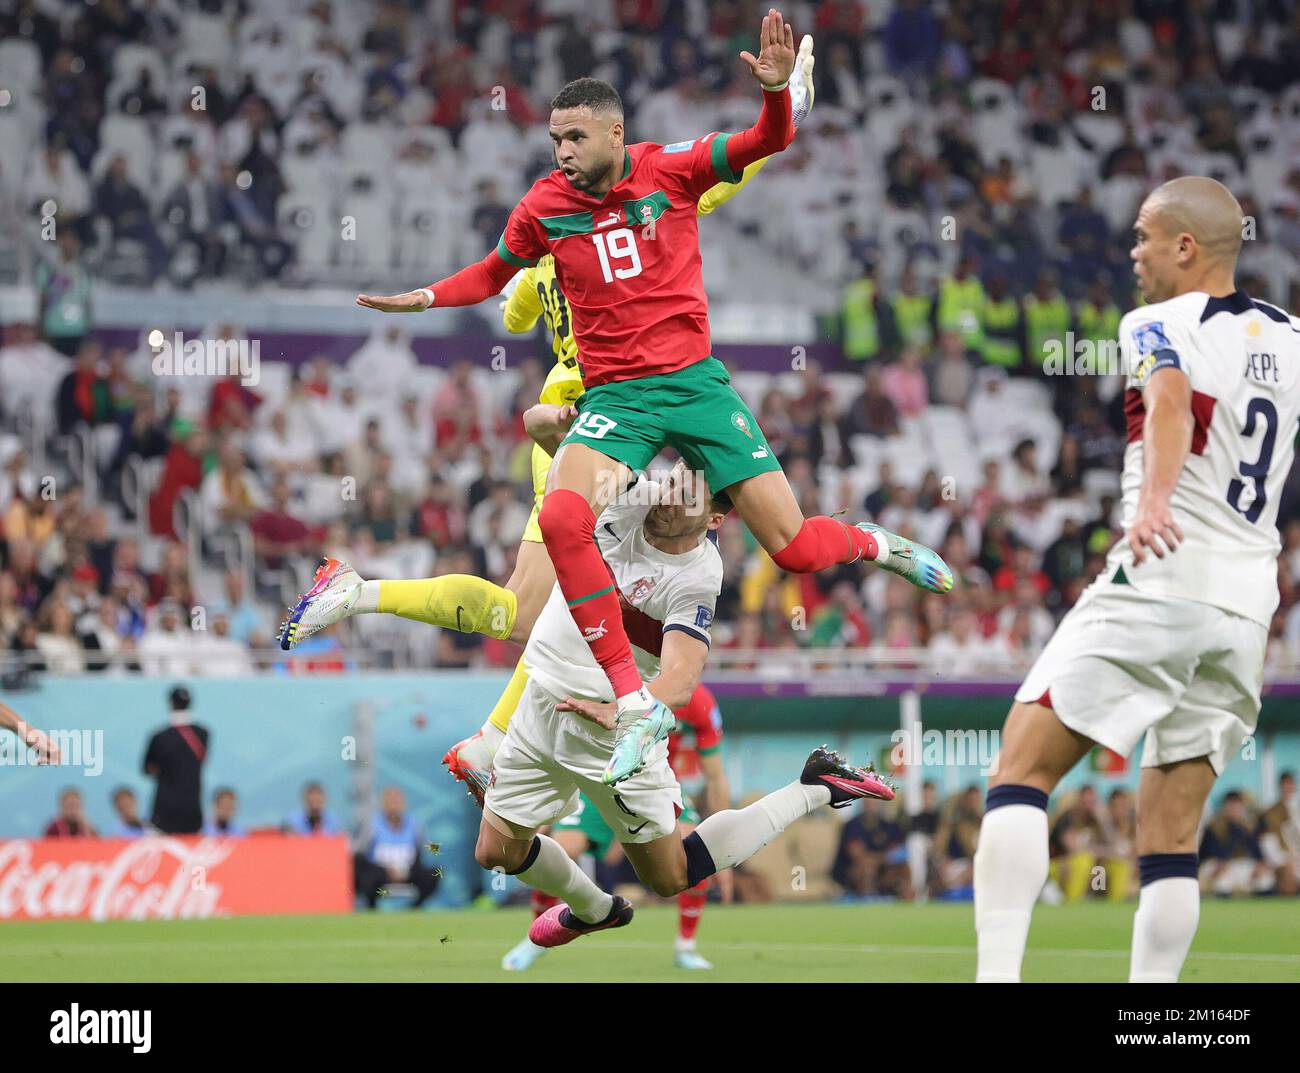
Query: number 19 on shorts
[614, 246]
[593, 425]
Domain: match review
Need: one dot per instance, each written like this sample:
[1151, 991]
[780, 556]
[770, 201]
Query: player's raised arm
[773, 65]
[1166, 442]
[801, 102]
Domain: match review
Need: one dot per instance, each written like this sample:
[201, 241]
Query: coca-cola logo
[150, 878]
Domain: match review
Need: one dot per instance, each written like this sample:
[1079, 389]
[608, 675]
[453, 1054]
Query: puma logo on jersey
[760, 453]
[614, 218]
[594, 633]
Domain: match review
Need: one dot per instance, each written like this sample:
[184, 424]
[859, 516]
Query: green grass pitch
[1237, 941]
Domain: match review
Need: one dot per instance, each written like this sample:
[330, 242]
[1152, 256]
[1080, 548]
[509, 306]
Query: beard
[585, 180]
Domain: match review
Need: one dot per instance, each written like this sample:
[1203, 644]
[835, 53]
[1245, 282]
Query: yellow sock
[454, 601]
[509, 700]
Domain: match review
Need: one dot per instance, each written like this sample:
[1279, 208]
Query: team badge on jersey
[742, 422]
[1154, 351]
[642, 589]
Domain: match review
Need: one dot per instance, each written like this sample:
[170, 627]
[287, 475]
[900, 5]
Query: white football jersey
[673, 592]
[1242, 357]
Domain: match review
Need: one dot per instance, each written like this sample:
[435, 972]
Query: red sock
[569, 527]
[823, 542]
[690, 905]
[541, 902]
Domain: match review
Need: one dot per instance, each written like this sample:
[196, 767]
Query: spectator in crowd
[222, 822]
[63, 296]
[58, 643]
[1279, 835]
[959, 823]
[194, 210]
[174, 759]
[1232, 861]
[904, 384]
[313, 818]
[872, 413]
[1118, 850]
[166, 648]
[1076, 841]
[391, 851]
[127, 811]
[71, 821]
[231, 493]
[120, 202]
[872, 858]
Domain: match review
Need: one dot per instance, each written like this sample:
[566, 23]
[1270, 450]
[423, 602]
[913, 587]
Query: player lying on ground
[585, 831]
[46, 751]
[562, 735]
[473, 604]
[621, 223]
[1168, 643]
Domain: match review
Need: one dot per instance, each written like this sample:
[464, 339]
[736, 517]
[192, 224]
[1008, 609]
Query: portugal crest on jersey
[641, 589]
[742, 422]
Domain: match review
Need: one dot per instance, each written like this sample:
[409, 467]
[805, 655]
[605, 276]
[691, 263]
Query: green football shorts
[587, 819]
[694, 410]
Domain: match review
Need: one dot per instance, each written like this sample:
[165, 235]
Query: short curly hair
[589, 93]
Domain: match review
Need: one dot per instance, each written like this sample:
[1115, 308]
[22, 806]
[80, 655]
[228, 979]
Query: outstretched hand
[603, 714]
[409, 302]
[775, 60]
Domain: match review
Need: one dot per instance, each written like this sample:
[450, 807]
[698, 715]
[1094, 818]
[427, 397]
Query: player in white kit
[1167, 645]
[561, 736]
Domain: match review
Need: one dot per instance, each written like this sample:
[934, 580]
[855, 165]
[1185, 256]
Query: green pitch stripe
[590, 596]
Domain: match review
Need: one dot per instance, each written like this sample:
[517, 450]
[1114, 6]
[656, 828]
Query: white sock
[641, 700]
[735, 835]
[681, 945]
[366, 599]
[1010, 870]
[1167, 913]
[553, 873]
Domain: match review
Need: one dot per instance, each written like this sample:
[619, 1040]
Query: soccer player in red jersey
[620, 221]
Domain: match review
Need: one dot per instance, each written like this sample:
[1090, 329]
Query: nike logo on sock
[459, 609]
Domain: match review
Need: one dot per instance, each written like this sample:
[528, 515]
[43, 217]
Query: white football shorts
[548, 757]
[1123, 664]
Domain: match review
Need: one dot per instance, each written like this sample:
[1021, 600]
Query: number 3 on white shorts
[593, 425]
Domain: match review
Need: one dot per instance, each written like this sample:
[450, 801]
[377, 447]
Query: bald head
[1202, 207]
[1188, 235]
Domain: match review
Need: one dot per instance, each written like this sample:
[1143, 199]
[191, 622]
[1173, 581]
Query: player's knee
[565, 518]
[668, 883]
[492, 851]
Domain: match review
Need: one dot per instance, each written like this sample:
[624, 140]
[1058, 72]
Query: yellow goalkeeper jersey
[538, 295]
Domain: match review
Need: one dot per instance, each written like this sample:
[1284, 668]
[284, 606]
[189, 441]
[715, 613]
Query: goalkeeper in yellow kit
[476, 605]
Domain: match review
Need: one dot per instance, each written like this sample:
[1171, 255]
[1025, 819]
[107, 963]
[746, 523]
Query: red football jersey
[629, 263]
[702, 717]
